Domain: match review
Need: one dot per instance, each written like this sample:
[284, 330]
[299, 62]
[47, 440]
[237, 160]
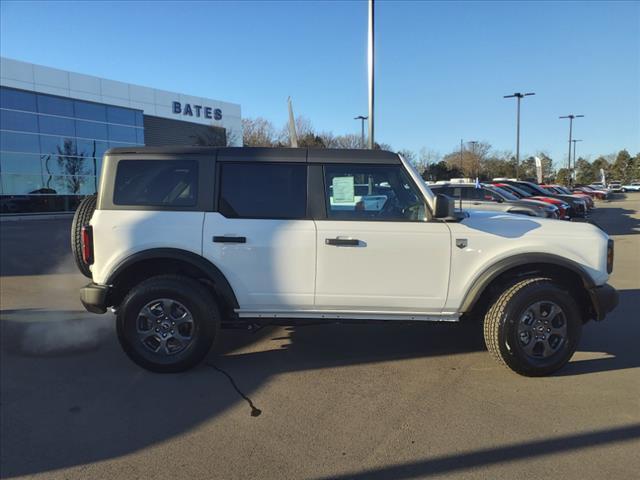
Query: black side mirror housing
[444, 206]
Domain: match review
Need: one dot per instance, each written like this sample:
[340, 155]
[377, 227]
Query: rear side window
[163, 183]
[263, 190]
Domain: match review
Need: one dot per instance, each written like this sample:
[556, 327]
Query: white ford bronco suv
[183, 241]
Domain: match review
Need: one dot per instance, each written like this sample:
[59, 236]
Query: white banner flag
[538, 168]
[603, 178]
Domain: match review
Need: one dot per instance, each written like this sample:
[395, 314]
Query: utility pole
[461, 162]
[519, 96]
[570, 117]
[362, 118]
[473, 152]
[371, 57]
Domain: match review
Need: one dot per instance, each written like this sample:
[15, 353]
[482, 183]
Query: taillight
[87, 244]
[610, 256]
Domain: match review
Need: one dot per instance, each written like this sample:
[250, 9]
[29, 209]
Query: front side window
[263, 190]
[372, 193]
[170, 183]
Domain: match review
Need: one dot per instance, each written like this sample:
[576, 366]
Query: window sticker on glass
[343, 190]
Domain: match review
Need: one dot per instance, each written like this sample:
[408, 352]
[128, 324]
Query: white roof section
[152, 101]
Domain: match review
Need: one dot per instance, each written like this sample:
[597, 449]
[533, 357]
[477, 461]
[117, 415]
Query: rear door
[376, 249]
[261, 237]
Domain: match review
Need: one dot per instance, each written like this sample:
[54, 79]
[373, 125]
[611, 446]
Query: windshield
[519, 191]
[504, 193]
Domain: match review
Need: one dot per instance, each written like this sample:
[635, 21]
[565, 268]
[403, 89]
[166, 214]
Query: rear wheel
[81, 218]
[168, 323]
[534, 327]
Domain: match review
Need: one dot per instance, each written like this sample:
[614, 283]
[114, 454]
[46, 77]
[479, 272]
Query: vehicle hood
[512, 226]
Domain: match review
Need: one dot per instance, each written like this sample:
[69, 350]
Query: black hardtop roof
[264, 154]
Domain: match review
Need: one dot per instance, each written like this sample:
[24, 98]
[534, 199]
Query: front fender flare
[482, 281]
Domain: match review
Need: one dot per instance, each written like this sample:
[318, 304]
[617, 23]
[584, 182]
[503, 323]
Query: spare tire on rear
[81, 218]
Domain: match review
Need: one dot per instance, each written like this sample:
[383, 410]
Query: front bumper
[94, 297]
[604, 299]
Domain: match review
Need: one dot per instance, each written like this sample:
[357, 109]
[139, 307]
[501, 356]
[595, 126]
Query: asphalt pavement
[387, 401]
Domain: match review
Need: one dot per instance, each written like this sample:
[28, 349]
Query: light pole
[571, 172]
[370, 58]
[362, 118]
[570, 117]
[473, 152]
[519, 96]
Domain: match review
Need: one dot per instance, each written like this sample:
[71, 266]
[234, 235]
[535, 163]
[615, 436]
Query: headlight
[610, 256]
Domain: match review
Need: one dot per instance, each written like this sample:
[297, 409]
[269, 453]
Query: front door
[376, 250]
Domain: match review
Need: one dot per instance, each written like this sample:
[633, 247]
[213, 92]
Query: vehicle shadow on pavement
[508, 453]
[87, 402]
[616, 337]
[617, 221]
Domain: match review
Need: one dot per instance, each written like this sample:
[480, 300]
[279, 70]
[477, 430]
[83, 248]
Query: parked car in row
[615, 187]
[489, 197]
[578, 205]
[565, 211]
[632, 187]
[561, 190]
[592, 192]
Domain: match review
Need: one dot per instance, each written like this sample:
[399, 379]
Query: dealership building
[55, 126]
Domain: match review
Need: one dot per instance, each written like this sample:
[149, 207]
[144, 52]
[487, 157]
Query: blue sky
[442, 67]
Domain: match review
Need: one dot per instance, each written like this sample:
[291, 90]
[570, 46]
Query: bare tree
[258, 132]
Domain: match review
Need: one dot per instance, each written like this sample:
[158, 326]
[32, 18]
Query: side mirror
[444, 206]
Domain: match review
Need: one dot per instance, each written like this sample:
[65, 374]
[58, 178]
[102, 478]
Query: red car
[563, 207]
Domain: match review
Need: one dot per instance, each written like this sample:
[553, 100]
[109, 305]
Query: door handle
[342, 242]
[228, 239]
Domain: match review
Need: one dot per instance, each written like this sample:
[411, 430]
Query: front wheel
[534, 327]
[168, 323]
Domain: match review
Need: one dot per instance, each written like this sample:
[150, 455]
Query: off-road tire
[501, 326]
[190, 293]
[81, 218]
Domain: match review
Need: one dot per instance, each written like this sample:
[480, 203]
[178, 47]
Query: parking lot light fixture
[362, 118]
[519, 96]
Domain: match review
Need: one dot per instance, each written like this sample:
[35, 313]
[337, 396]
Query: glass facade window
[123, 116]
[18, 142]
[18, 121]
[51, 148]
[57, 125]
[17, 100]
[90, 111]
[91, 130]
[55, 105]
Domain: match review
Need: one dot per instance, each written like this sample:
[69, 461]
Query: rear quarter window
[163, 183]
